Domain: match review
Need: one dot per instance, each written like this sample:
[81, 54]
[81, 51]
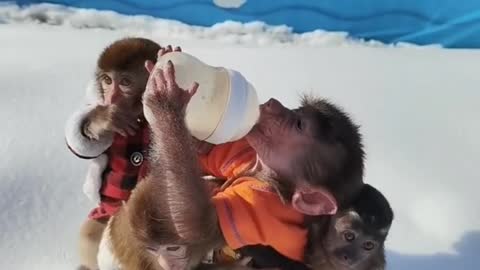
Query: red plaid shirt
[126, 166]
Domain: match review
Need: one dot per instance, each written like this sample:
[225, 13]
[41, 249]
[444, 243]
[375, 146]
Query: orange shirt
[229, 160]
[249, 211]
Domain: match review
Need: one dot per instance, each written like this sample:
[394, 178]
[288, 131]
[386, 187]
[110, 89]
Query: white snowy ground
[419, 110]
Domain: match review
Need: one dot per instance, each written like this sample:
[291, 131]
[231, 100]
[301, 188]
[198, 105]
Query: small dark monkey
[354, 239]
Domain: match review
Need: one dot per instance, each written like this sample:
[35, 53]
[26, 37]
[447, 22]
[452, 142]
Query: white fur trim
[106, 259]
[93, 181]
[80, 144]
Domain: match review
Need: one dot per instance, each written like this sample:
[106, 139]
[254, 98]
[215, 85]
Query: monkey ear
[314, 202]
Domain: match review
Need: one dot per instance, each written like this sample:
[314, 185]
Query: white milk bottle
[225, 107]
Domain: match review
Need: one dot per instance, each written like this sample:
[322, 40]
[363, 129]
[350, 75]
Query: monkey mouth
[341, 265]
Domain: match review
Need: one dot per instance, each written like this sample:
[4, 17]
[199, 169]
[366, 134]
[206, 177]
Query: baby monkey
[354, 238]
[120, 81]
[111, 131]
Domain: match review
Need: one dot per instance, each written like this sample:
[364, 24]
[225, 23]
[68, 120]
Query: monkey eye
[107, 79]
[125, 82]
[368, 245]
[349, 236]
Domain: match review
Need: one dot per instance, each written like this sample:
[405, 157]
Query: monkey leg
[89, 241]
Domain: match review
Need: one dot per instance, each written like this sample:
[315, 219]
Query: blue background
[452, 23]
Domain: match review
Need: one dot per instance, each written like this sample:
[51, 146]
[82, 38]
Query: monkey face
[310, 150]
[279, 137]
[120, 73]
[122, 87]
[350, 243]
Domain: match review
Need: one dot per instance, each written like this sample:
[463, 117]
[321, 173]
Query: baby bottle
[225, 106]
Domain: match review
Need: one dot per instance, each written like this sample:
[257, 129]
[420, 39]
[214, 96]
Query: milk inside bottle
[225, 107]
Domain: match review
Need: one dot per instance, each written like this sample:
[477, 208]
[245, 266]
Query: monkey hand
[163, 96]
[149, 65]
[168, 49]
[109, 119]
[123, 121]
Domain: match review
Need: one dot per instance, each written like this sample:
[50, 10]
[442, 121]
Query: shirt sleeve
[228, 160]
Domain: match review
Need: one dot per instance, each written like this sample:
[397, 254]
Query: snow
[418, 108]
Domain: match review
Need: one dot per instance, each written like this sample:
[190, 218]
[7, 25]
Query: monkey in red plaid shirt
[111, 131]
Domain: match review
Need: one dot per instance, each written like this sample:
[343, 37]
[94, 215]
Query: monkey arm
[76, 141]
[171, 208]
[174, 162]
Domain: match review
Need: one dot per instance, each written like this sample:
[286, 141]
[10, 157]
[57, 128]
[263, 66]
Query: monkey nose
[273, 105]
[346, 259]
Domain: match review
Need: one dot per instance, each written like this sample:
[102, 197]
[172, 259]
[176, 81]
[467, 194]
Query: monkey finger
[193, 88]
[135, 125]
[169, 48]
[130, 131]
[178, 49]
[170, 76]
[91, 135]
[149, 91]
[149, 66]
[119, 131]
[161, 52]
[95, 136]
[151, 87]
[159, 80]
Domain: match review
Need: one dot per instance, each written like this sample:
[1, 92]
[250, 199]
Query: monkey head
[314, 154]
[121, 76]
[355, 236]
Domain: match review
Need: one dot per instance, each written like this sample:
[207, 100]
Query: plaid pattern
[126, 166]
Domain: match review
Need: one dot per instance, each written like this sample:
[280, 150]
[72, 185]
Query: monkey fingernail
[161, 52]
[149, 66]
[194, 89]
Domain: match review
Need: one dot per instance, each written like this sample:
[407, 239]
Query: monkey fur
[323, 156]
